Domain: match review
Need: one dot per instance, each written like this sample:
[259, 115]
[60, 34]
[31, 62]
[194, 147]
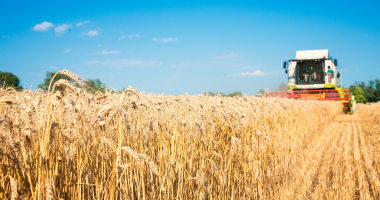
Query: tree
[95, 85]
[361, 85]
[261, 91]
[358, 93]
[377, 91]
[234, 94]
[49, 76]
[371, 91]
[209, 93]
[91, 86]
[8, 79]
[282, 87]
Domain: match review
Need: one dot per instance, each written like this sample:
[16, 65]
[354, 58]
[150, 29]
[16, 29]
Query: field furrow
[313, 161]
[330, 168]
[359, 170]
[336, 173]
[349, 184]
[371, 174]
[302, 165]
[337, 165]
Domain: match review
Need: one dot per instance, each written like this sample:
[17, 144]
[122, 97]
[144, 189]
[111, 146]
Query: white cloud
[91, 63]
[123, 37]
[254, 73]
[44, 26]
[228, 56]
[82, 23]
[105, 52]
[165, 40]
[91, 33]
[67, 51]
[60, 30]
[5, 36]
[129, 63]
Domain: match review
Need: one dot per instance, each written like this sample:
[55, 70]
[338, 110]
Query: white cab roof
[312, 54]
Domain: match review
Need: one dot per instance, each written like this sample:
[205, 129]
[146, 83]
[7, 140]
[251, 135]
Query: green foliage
[95, 85]
[261, 91]
[282, 87]
[209, 93]
[8, 79]
[233, 94]
[49, 76]
[92, 85]
[358, 93]
[371, 91]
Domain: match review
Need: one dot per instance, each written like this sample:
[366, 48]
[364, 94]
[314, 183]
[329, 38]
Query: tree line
[92, 85]
[362, 91]
[366, 92]
[8, 79]
[233, 94]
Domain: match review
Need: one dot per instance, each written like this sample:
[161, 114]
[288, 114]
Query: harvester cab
[312, 69]
[313, 75]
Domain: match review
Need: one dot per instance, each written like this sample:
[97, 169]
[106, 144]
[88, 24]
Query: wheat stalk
[242, 147]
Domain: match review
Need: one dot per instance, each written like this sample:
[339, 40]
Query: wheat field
[70, 144]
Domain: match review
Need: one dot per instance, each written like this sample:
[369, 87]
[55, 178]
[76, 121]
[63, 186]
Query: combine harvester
[313, 75]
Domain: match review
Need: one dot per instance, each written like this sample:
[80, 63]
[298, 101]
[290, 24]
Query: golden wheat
[69, 144]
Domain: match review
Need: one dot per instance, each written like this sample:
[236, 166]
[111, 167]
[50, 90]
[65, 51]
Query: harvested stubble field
[74, 145]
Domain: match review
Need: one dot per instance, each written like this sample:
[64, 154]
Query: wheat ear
[14, 194]
[73, 76]
[63, 82]
[132, 153]
[109, 142]
[153, 166]
[49, 191]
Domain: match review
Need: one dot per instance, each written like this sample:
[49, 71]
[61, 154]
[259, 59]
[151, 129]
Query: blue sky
[174, 47]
